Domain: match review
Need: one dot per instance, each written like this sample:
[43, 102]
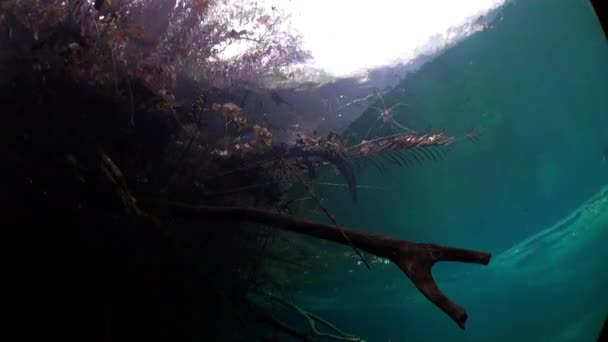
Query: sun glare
[351, 37]
[348, 37]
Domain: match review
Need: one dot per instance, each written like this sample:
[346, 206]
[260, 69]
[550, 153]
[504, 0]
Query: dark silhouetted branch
[414, 259]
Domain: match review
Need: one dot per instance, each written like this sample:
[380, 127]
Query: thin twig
[313, 319]
[326, 211]
[129, 88]
[346, 185]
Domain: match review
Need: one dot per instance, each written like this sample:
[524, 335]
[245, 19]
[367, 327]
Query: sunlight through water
[350, 37]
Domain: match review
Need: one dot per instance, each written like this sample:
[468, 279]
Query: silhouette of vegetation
[142, 201]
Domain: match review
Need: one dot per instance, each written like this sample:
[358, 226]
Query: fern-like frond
[404, 149]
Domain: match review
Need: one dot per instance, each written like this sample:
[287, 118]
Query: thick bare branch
[414, 259]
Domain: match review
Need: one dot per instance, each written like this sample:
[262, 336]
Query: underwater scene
[305, 170]
[532, 191]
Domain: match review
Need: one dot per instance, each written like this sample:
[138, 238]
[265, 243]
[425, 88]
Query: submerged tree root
[413, 258]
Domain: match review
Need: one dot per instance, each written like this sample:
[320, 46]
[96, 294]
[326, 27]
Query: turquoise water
[531, 192]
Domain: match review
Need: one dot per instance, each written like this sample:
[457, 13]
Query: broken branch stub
[417, 259]
[413, 258]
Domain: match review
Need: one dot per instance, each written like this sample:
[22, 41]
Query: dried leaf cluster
[158, 40]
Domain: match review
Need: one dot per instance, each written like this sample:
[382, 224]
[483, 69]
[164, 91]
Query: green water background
[537, 80]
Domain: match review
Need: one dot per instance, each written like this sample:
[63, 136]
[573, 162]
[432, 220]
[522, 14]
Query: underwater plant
[171, 192]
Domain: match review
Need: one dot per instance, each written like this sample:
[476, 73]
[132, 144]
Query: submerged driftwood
[413, 258]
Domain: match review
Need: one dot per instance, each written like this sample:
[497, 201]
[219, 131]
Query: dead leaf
[136, 31]
[146, 71]
[117, 38]
[233, 34]
[232, 114]
[264, 20]
[365, 149]
[182, 53]
[200, 6]
[262, 135]
[52, 15]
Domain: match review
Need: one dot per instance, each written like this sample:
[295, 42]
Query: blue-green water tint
[538, 81]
